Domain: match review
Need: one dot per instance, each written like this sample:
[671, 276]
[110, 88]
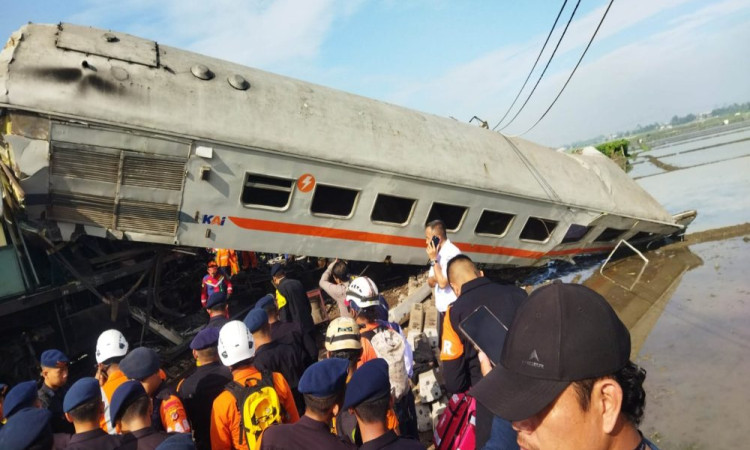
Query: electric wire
[574, 69]
[532, 67]
[545, 67]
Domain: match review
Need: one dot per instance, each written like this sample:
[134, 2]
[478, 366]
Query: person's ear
[335, 410]
[481, 273]
[607, 396]
[68, 417]
[456, 288]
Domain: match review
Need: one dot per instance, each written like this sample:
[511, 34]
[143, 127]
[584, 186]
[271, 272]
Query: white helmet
[235, 343]
[362, 293]
[110, 344]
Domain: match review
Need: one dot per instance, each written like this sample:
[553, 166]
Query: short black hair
[323, 405]
[138, 408]
[371, 313]
[208, 352]
[437, 226]
[87, 412]
[374, 411]
[219, 307]
[113, 360]
[460, 258]
[351, 354]
[271, 308]
[630, 378]
[340, 270]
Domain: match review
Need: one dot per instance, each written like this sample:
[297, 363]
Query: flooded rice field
[689, 313]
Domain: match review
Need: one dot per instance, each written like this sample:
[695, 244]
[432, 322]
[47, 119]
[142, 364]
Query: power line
[545, 67]
[532, 67]
[574, 69]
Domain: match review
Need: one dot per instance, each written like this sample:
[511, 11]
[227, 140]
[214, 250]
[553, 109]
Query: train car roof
[106, 77]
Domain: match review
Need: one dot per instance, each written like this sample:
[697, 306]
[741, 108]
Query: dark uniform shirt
[391, 441]
[217, 321]
[198, 392]
[306, 434]
[285, 359]
[53, 401]
[290, 334]
[143, 439]
[298, 310]
[93, 440]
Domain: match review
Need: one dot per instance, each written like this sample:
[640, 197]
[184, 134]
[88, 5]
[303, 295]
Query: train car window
[451, 215]
[333, 201]
[575, 233]
[609, 234]
[392, 210]
[493, 223]
[538, 230]
[266, 191]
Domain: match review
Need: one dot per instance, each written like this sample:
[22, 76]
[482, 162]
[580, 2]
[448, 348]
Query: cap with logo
[561, 333]
[53, 358]
[111, 344]
[343, 334]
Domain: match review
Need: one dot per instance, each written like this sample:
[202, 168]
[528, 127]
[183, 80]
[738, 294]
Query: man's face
[55, 377]
[212, 270]
[428, 233]
[561, 425]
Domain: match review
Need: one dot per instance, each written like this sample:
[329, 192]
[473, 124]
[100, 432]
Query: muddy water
[689, 312]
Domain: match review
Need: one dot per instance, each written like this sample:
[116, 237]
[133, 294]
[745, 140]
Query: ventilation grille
[153, 173]
[81, 208]
[152, 218]
[84, 164]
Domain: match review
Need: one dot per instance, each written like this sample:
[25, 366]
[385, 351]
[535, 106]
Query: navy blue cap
[276, 268]
[207, 337]
[82, 391]
[369, 382]
[179, 441]
[20, 396]
[123, 397]
[324, 378]
[24, 428]
[255, 319]
[140, 363]
[265, 301]
[52, 358]
[216, 298]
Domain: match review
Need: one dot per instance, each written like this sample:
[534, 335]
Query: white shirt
[445, 296]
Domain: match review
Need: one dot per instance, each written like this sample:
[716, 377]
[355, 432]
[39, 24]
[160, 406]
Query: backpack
[456, 428]
[258, 405]
[390, 345]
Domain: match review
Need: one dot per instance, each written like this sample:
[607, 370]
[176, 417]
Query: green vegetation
[611, 148]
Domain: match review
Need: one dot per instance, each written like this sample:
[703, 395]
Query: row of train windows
[274, 192]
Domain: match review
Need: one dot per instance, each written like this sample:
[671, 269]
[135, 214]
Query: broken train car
[108, 135]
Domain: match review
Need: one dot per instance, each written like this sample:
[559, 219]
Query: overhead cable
[545, 67]
[532, 67]
[574, 69]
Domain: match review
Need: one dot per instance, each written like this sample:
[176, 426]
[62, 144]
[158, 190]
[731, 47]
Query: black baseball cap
[561, 333]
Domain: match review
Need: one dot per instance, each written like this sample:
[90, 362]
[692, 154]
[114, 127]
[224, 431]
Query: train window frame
[290, 190]
[355, 202]
[507, 227]
[543, 220]
[460, 222]
[610, 230]
[394, 224]
[581, 238]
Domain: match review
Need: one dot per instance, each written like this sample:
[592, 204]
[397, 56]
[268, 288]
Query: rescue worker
[111, 348]
[368, 398]
[275, 356]
[199, 390]
[335, 281]
[236, 351]
[343, 341]
[83, 408]
[217, 309]
[215, 281]
[21, 396]
[142, 364]
[131, 413]
[365, 303]
[294, 306]
[52, 392]
[227, 261]
[285, 332]
[322, 385]
[28, 429]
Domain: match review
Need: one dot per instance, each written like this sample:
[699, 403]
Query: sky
[651, 59]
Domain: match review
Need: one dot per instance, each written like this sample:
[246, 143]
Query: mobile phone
[486, 332]
[435, 241]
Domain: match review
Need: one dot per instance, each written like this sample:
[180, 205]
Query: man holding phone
[440, 250]
[461, 366]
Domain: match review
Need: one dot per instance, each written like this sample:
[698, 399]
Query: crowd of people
[564, 379]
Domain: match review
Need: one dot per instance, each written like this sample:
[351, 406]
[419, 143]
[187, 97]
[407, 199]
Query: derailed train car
[118, 137]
